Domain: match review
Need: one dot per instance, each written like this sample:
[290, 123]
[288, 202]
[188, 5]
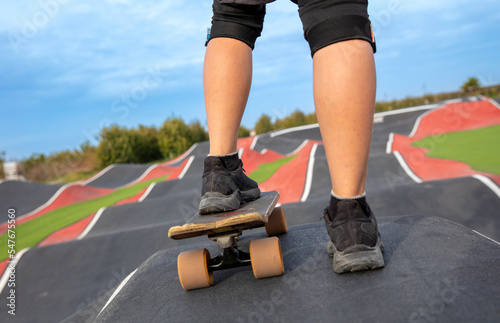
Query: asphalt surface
[434, 269]
[288, 141]
[24, 196]
[437, 267]
[119, 175]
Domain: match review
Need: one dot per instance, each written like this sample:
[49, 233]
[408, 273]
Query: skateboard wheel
[192, 267]
[266, 257]
[276, 223]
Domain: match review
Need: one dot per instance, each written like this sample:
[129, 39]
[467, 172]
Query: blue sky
[69, 68]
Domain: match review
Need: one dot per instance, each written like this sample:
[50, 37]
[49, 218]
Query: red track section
[252, 159]
[245, 142]
[70, 195]
[74, 230]
[178, 170]
[290, 179]
[158, 171]
[458, 117]
[449, 118]
[71, 232]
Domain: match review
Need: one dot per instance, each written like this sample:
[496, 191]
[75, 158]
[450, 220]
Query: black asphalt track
[466, 201]
[24, 196]
[57, 281]
[436, 269]
[287, 142]
[119, 175]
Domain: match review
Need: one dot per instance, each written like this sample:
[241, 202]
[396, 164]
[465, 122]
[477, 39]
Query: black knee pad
[327, 22]
[238, 21]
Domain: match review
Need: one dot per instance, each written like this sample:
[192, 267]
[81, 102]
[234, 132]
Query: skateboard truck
[230, 256]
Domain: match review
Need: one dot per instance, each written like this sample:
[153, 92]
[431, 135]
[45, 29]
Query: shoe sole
[214, 202]
[356, 258]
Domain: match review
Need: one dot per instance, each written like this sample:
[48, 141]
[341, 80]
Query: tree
[243, 132]
[471, 85]
[264, 124]
[311, 118]
[297, 118]
[148, 147]
[174, 137]
[87, 148]
[117, 146]
[198, 133]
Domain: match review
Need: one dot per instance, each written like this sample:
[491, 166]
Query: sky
[69, 68]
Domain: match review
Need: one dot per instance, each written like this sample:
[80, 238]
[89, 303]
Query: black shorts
[325, 22]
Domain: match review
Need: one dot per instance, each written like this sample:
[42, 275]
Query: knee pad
[237, 21]
[327, 22]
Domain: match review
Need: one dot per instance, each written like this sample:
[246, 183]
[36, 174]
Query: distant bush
[198, 133]
[243, 132]
[148, 144]
[470, 87]
[122, 145]
[175, 136]
[264, 124]
[311, 118]
[117, 145]
[148, 148]
[39, 167]
[296, 119]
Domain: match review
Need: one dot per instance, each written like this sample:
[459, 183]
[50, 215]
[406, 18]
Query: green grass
[30, 233]
[264, 171]
[479, 148]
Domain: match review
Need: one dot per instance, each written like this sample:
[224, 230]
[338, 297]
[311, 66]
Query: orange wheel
[192, 267]
[266, 257]
[276, 223]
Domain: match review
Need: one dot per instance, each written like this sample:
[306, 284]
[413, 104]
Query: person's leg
[227, 71]
[344, 95]
[342, 47]
[227, 75]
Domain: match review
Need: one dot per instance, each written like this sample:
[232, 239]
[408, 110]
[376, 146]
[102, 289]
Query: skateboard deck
[252, 214]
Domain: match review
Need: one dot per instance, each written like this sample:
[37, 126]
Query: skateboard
[196, 268]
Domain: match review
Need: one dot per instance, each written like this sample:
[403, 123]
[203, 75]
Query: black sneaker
[225, 186]
[355, 240]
